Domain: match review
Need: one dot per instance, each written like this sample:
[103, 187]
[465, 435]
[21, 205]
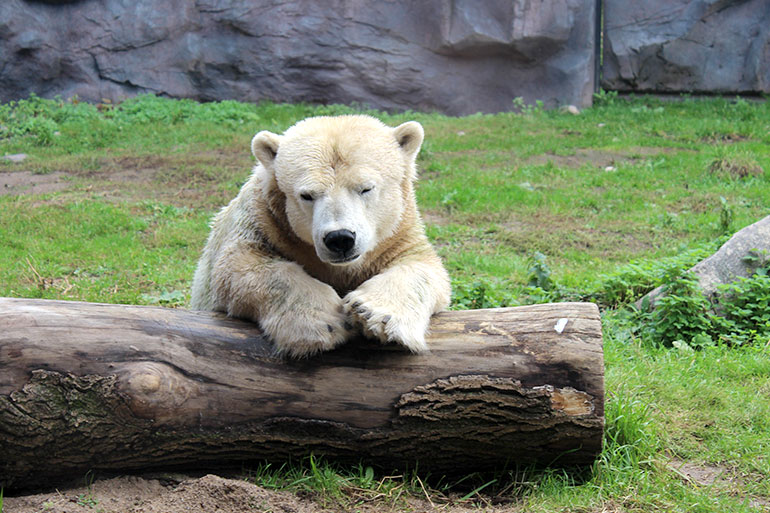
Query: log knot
[156, 390]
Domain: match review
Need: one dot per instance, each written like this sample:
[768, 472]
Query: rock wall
[453, 56]
[713, 46]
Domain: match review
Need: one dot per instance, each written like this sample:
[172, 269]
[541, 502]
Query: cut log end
[124, 388]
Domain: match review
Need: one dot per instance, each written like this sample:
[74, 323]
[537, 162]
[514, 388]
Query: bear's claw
[379, 323]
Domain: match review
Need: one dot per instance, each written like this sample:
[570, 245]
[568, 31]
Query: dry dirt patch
[717, 476]
[208, 178]
[544, 232]
[598, 158]
[703, 475]
[131, 494]
[25, 182]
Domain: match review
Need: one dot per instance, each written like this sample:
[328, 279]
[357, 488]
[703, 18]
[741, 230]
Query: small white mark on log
[561, 324]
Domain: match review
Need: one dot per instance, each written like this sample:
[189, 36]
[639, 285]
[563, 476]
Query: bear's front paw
[307, 329]
[387, 320]
[301, 336]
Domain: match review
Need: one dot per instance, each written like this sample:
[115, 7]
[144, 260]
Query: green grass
[617, 200]
[93, 250]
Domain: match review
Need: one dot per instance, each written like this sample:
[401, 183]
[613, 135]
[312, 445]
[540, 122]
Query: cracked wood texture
[120, 388]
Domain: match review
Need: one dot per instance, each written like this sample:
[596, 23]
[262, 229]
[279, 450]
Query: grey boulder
[730, 262]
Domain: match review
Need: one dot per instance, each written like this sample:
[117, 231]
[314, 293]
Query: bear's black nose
[340, 241]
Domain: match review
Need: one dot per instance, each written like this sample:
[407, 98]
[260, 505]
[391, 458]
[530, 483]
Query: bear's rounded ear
[264, 146]
[409, 136]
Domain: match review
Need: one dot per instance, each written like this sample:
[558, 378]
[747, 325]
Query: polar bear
[325, 237]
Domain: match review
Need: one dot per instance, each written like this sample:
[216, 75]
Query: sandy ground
[25, 182]
[210, 493]
[132, 494]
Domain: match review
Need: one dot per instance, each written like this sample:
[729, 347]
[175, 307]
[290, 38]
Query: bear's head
[346, 181]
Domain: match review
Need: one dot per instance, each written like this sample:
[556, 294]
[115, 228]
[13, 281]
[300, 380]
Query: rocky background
[702, 46]
[452, 56]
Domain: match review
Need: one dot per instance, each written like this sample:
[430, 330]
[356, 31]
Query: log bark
[100, 387]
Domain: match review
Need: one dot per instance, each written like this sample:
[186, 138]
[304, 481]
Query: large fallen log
[88, 386]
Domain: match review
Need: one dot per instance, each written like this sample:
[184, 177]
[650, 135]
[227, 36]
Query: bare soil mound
[131, 494]
[210, 493]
